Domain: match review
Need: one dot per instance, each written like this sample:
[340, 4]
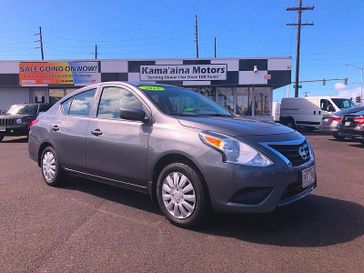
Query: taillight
[359, 120]
[34, 122]
[335, 118]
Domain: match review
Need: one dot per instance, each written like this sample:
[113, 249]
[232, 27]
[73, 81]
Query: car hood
[235, 126]
[14, 116]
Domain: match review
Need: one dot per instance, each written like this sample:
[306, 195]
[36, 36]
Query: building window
[263, 99]
[243, 101]
[225, 97]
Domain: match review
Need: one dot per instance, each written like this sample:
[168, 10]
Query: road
[91, 227]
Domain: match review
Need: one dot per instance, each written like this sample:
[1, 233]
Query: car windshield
[23, 110]
[343, 103]
[177, 101]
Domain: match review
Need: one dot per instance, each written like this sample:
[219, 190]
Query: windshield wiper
[213, 115]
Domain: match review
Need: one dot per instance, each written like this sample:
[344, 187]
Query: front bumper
[15, 130]
[238, 188]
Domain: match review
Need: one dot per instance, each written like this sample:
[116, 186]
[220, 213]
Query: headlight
[234, 151]
[19, 121]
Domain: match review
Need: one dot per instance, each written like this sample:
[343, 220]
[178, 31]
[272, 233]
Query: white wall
[11, 95]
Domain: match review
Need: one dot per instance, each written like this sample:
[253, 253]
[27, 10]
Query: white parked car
[307, 112]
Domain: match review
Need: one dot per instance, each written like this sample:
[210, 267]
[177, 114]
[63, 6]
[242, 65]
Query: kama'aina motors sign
[198, 72]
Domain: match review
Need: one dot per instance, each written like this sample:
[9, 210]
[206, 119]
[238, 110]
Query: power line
[299, 24]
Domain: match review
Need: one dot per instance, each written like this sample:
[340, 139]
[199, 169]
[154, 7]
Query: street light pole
[361, 68]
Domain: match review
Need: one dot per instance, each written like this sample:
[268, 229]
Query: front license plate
[308, 177]
[2, 129]
[347, 123]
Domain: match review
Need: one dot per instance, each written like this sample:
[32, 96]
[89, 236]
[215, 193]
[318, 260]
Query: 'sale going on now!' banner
[58, 73]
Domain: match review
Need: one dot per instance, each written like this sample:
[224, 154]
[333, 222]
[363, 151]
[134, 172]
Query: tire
[291, 123]
[1, 138]
[338, 137]
[362, 141]
[52, 171]
[190, 198]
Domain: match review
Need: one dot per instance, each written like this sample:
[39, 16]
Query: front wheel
[52, 172]
[181, 195]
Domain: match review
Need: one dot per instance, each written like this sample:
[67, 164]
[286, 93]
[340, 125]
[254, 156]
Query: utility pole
[215, 47]
[196, 36]
[41, 42]
[299, 10]
[96, 53]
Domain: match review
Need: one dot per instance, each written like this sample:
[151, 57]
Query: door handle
[55, 128]
[96, 132]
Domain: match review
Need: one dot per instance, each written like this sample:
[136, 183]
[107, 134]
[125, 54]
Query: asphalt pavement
[91, 227]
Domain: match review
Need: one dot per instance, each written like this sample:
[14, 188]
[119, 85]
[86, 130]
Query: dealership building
[244, 86]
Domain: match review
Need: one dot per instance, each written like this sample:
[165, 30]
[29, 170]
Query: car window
[178, 101]
[326, 106]
[81, 103]
[115, 98]
[66, 105]
[23, 109]
[343, 103]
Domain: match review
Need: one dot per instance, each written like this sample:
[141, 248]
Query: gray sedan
[184, 150]
[330, 123]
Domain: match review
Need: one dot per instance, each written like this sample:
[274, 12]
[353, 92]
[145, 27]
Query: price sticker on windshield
[152, 88]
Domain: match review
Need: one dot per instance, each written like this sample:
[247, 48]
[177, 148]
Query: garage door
[10, 96]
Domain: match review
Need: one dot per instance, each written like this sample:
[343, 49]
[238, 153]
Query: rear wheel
[338, 137]
[181, 195]
[52, 172]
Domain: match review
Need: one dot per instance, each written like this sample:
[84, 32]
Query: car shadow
[358, 145]
[313, 222]
[119, 195]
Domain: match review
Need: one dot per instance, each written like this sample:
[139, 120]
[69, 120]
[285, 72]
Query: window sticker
[151, 88]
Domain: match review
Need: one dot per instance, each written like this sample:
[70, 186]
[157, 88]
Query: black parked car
[352, 126]
[16, 121]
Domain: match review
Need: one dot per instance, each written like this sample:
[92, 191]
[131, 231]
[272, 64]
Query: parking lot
[90, 227]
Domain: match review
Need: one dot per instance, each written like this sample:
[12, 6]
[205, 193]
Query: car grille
[7, 121]
[294, 189]
[296, 154]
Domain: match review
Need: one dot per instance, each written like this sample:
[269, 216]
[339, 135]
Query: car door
[68, 130]
[117, 148]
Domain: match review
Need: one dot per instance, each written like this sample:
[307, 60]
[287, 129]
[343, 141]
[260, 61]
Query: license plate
[2, 129]
[347, 123]
[308, 177]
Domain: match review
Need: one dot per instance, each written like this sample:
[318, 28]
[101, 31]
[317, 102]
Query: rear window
[66, 105]
[81, 103]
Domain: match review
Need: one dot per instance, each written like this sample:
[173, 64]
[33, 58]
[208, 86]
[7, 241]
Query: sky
[164, 29]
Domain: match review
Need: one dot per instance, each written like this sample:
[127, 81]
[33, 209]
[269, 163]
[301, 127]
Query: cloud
[345, 92]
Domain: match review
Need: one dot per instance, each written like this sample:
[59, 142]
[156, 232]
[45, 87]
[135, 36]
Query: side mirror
[133, 114]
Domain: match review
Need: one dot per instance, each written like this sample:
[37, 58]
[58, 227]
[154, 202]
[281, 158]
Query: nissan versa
[187, 152]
